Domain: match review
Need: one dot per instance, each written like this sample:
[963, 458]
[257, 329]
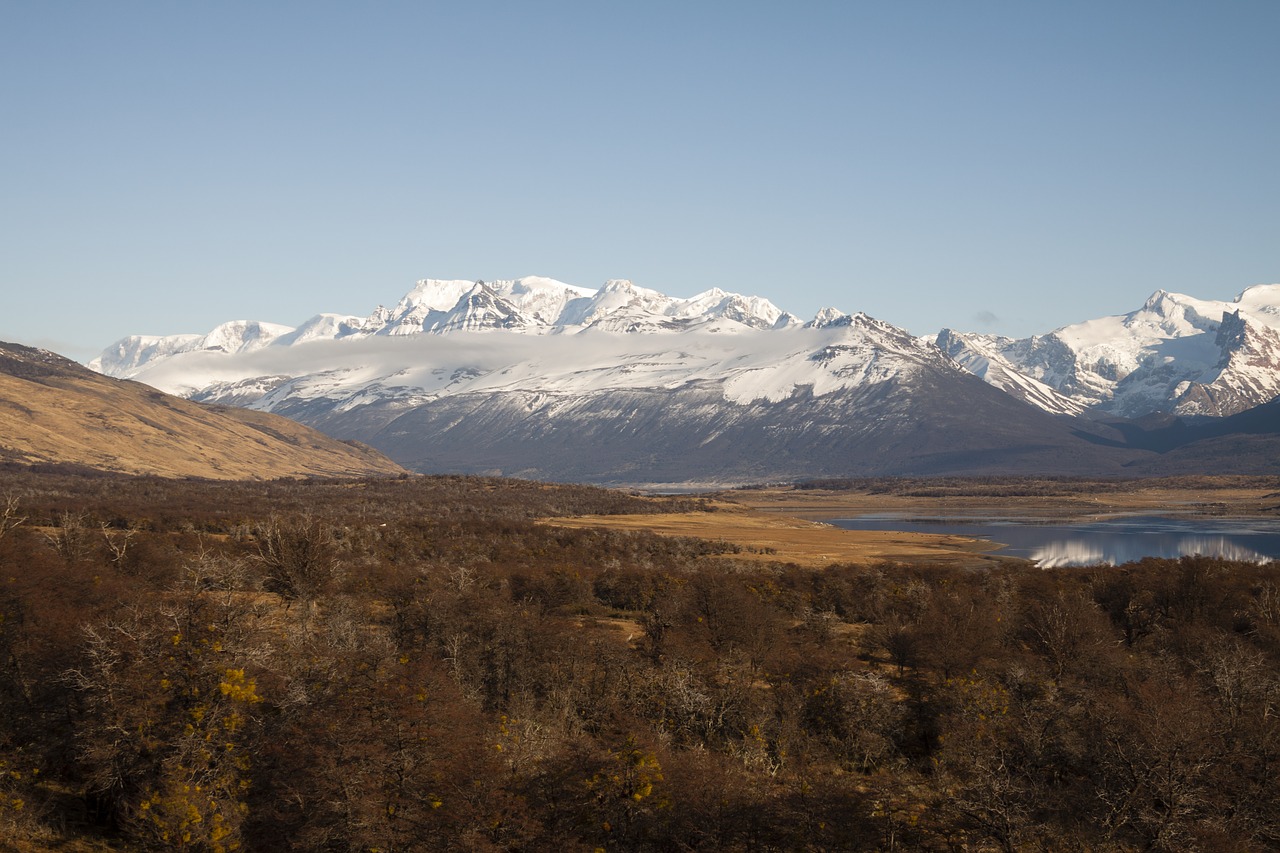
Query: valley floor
[786, 523]
[1059, 499]
[780, 538]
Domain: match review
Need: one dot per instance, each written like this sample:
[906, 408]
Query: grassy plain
[769, 537]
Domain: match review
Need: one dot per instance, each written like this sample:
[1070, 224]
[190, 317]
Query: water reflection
[1127, 547]
[1102, 541]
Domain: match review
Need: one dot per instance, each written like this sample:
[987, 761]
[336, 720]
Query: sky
[988, 165]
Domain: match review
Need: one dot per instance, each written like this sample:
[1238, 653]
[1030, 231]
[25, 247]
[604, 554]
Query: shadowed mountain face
[850, 398]
[923, 424]
[1245, 443]
[55, 411]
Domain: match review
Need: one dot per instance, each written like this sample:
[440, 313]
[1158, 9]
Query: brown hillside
[53, 410]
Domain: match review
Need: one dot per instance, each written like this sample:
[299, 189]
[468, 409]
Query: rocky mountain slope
[1175, 354]
[53, 410]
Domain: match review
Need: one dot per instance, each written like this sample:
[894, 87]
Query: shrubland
[416, 664]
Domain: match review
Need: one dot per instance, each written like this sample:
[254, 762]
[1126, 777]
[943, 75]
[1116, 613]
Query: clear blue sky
[992, 166]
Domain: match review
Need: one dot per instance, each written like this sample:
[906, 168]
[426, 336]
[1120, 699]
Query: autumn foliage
[417, 664]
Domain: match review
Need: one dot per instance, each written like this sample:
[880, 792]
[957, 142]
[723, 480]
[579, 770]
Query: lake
[1108, 540]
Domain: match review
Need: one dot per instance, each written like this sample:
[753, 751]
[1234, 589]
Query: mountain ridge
[1175, 354]
[532, 304]
[630, 385]
[548, 380]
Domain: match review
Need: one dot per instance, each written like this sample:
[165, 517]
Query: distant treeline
[1039, 486]
[419, 664]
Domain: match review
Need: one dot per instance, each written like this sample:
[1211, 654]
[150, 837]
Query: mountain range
[1175, 354]
[537, 378]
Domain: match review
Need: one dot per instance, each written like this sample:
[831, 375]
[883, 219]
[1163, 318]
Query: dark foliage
[1015, 487]
[420, 664]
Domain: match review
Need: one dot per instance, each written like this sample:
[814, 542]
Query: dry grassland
[1215, 497]
[770, 537]
[129, 428]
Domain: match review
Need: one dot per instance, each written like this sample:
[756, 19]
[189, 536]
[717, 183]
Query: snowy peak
[481, 309]
[1175, 354]
[424, 305]
[620, 306]
[536, 296]
[432, 295]
[242, 336]
[753, 312]
[983, 356]
[127, 355]
[828, 317]
[323, 327]
[1042, 370]
[1174, 315]
[889, 337]
[542, 299]
[531, 305]
[1262, 301]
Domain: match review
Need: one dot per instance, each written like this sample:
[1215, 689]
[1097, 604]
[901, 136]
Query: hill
[54, 411]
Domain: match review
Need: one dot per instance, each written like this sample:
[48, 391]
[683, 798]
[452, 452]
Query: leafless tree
[70, 538]
[118, 541]
[297, 556]
[9, 517]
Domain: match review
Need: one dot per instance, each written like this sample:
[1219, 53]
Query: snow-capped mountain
[1175, 354]
[985, 356]
[132, 353]
[624, 383]
[532, 305]
[561, 339]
